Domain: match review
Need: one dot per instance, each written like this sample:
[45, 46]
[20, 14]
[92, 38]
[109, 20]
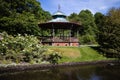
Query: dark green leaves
[21, 16]
[109, 32]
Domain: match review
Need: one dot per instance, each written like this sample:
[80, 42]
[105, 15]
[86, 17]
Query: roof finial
[59, 7]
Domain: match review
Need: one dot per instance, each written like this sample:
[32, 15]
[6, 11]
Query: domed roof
[59, 13]
[59, 20]
[59, 17]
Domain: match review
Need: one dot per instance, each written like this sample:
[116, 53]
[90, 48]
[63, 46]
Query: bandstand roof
[59, 21]
[59, 17]
[59, 13]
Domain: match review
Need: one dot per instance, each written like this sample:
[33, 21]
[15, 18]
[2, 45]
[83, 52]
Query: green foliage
[86, 18]
[99, 18]
[21, 16]
[21, 24]
[87, 39]
[74, 18]
[52, 56]
[24, 49]
[109, 33]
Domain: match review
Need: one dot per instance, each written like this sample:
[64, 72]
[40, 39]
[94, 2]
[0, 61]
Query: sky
[75, 6]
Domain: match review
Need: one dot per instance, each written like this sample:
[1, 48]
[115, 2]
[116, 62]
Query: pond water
[89, 72]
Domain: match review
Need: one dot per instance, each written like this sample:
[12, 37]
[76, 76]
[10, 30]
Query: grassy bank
[79, 54]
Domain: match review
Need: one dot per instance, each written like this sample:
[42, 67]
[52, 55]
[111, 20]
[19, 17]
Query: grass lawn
[78, 54]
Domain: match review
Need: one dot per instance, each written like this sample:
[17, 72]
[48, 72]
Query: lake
[88, 72]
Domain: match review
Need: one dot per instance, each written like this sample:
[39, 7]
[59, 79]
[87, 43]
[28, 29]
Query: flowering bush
[24, 49]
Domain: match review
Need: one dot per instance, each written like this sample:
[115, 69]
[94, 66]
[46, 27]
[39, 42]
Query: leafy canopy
[109, 32]
[86, 18]
[21, 16]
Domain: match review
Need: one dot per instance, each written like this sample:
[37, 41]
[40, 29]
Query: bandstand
[61, 31]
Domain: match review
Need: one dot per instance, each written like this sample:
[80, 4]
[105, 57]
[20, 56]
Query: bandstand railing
[58, 39]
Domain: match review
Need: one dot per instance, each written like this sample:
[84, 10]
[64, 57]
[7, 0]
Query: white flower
[3, 44]
[23, 50]
[2, 53]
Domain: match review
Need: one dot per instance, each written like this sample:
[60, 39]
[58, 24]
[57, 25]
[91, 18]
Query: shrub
[52, 56]
[87, 39]
[23, 49]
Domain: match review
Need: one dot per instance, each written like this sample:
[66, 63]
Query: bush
[23, 49]
[52, 56]
[87, 39]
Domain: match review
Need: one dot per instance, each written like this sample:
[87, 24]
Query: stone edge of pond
[28, 67]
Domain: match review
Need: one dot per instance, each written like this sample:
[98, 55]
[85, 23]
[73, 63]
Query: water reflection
[91, 72]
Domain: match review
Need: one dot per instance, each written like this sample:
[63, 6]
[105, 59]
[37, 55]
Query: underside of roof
[59, 25]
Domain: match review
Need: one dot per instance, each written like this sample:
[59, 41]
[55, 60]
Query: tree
[22, 23]
[90, 29]
[74, 18]
[99, 20]
[86, 19]
[21, 16]
[109, 33]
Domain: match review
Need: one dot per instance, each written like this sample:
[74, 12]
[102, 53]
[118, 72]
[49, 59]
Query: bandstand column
[53, 32]
[63, 33]
[70, 37]
[77, 33]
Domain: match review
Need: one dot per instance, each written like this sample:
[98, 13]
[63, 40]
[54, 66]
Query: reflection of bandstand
[61, 31]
